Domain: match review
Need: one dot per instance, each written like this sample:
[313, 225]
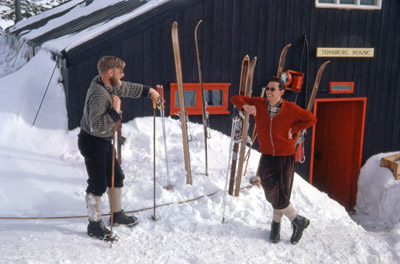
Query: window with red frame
[341, 87]
[215, 94]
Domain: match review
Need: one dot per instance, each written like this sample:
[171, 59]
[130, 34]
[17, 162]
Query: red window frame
[196, 110]
[336, 91]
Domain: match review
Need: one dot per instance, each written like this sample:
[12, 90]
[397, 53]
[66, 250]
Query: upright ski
[203, 102]
[281, 65]
[178, 69]
[245, 127]
[282, 60]
[300, 139]
[237, 124]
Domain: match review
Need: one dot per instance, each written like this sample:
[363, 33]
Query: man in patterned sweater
[278, 122]
[101, 113]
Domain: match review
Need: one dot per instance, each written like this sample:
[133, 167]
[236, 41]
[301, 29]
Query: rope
[132, 211]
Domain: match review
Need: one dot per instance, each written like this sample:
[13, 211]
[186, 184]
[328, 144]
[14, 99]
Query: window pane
[326, 1]
[368, 2]
[348, 2]
[189, 96]
[213, 97]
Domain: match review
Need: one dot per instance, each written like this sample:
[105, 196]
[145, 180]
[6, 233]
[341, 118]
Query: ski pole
[119, 141]
[154, 216]
[235, 120]
[161, 107]
[110, 237]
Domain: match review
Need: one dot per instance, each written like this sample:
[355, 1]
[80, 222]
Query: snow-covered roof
[79, 23]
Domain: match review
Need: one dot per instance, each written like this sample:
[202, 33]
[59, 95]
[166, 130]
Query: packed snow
[43, 182]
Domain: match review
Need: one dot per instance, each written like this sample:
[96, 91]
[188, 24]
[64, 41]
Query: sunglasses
[272, 89]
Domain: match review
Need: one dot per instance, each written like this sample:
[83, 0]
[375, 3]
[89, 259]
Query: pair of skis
[239, 130]
[178, 69]
[240, 127]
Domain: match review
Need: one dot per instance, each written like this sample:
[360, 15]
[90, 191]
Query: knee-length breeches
[276, 175]
[98, 160]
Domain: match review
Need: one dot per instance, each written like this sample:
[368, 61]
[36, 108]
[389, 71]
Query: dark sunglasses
[272, 89]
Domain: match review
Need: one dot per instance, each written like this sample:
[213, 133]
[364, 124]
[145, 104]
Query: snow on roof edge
[69, 42]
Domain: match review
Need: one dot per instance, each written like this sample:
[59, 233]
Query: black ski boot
[274, 235]
[97, 229]
[120, 218]
[299, 224]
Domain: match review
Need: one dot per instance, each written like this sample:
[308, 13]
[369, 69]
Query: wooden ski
[178, 69]
[310, 104]
[282, 60]
[203, 102]
[245, 127]
[237, 124]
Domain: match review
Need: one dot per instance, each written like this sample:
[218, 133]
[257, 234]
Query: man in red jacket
[278, 123]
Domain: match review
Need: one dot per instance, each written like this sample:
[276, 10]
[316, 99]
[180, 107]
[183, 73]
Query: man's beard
[115, 82]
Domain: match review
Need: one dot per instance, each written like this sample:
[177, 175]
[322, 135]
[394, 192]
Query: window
[349, 4]
[341, 87]
[215, 94]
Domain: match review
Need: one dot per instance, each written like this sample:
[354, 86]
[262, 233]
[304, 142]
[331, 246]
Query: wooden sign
[345, 52]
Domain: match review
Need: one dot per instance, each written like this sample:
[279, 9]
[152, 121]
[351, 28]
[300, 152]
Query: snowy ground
[42, 175]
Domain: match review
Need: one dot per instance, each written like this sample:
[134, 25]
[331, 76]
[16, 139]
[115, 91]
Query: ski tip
[175, 24]
[198, 23]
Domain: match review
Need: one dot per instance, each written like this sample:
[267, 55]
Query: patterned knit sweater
[273, 132]
[99, 116]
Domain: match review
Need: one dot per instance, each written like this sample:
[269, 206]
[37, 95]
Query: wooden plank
[207, 49]
[168, 63]
[217, 40]
[227, 41]
[138, 72]
[83, 84]
[396, 83]
[186, 29]
[388, 90]
[148, 68]
[262, 47]
[380, 40]
[272, 52]
[73, 98]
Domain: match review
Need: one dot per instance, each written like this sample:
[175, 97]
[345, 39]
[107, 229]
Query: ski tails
[237, 124]
[178, 68]
[203, 102]
[245, 127]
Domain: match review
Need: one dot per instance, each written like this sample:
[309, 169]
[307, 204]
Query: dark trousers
[98, 160]
[276, 174]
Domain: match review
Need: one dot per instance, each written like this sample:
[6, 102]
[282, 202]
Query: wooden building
[358, 102]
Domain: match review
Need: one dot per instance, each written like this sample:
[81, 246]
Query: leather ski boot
[299, 224]
[96, 227]
[120, 218]
[274, 235]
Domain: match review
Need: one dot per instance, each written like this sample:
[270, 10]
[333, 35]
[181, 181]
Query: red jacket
[273, 133]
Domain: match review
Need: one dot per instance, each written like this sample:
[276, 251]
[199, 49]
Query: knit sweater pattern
[273, 132]
[99, 116]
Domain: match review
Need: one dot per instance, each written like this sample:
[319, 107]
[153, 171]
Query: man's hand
[251, 109]
[116, 103]
[154, 95]
[290, 134]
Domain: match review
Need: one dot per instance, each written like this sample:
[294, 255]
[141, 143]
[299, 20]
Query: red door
[337, 148]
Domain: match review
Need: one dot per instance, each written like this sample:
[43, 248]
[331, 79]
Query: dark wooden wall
[233, 28]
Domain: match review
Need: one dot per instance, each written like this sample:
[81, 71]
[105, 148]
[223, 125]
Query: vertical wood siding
[233, 28]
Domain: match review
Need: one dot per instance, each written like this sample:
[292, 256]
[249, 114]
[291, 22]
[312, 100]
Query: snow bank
[378, 194]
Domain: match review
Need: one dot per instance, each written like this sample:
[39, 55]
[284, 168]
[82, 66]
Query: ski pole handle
[160, 90]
